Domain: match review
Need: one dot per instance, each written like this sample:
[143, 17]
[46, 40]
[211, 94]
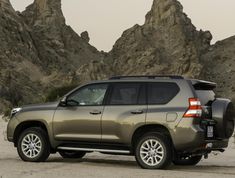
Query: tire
[72, 154]
[33, 145]
[159, 153]
[190, 161]
[224, 115]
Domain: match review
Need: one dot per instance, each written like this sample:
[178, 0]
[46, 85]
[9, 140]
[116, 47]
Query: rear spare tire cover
[223, 114]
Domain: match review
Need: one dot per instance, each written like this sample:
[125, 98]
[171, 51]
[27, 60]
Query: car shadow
[218, 169]
[98, 162]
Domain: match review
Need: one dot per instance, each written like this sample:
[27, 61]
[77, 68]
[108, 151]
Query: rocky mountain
[17, 58]
[39, 51]
[58, 46]
[168, 43]
[219, 66]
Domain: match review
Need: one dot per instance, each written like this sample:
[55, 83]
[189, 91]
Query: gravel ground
[107, 166]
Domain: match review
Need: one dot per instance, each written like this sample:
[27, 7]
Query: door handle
[95, 112]
[137, 112]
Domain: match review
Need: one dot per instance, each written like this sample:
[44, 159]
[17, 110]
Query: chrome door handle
[95, 112]
[137, 112]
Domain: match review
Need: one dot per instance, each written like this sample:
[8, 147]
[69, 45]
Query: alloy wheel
[31, 145]
[151, 152]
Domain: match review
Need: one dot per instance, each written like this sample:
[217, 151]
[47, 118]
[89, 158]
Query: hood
[38, 107]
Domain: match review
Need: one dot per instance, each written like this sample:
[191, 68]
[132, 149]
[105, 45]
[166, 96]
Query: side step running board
[94, 149]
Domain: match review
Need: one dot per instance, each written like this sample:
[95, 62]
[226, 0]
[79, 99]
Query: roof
[147, 77]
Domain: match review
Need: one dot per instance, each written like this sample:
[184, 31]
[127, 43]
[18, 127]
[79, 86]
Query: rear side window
[127, 94]
[162, 92]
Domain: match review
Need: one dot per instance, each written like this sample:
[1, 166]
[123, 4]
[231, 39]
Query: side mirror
[63, 102]
[72, 103]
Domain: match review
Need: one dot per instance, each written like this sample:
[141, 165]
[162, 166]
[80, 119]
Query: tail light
[195, 108]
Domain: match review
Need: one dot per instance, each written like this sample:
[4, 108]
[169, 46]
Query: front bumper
[12, 124]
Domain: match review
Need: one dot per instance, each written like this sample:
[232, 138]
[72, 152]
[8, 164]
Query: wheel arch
[147, 129]
[28, 124]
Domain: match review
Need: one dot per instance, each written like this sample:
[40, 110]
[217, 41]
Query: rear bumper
[190, 137]
[217, 144]
[200, 143]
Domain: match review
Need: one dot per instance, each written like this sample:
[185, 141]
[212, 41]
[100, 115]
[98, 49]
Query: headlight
[14, 111]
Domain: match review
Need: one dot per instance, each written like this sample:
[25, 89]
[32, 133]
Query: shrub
[57, 93]
[7, 112]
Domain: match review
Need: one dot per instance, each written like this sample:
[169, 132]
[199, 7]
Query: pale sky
[105, 20]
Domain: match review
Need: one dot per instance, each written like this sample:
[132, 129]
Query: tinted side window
[161, 92]
[126, 94]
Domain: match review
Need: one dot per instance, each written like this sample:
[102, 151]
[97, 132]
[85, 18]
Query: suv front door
[125, 110]
[80, 119]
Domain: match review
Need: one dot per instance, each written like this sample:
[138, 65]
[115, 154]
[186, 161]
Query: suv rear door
[125, 110]
[162, 108]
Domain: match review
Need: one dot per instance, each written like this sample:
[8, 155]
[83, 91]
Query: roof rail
[147, 77]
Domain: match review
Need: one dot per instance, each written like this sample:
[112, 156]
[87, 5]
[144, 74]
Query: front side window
[126, 94]
[92, 95]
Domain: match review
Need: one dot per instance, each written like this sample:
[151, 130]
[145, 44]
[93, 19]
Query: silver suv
[157, 119]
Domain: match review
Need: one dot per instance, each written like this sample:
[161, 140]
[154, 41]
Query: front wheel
[153, 151]
[189, 161]
[33, 145]
[72, 154]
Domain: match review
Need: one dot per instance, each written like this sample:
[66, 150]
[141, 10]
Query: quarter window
[161, 92]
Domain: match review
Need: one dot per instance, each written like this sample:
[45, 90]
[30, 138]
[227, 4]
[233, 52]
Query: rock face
[219, 66]
[6, 5]
[39, 51]
[58, 46]
[85, 36]
[18, 55]
[167, 43]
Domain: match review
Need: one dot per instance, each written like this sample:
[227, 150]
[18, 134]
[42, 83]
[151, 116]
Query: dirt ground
[107, 166]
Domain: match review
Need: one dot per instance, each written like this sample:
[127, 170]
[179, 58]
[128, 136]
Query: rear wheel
[72, 154]
[153, 151]
[189, 161]
[33, 145]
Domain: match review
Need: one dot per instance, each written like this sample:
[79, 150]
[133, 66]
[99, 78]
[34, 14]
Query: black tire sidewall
[45, 150]
[192, 161]
[164, 141]
[72, 154]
